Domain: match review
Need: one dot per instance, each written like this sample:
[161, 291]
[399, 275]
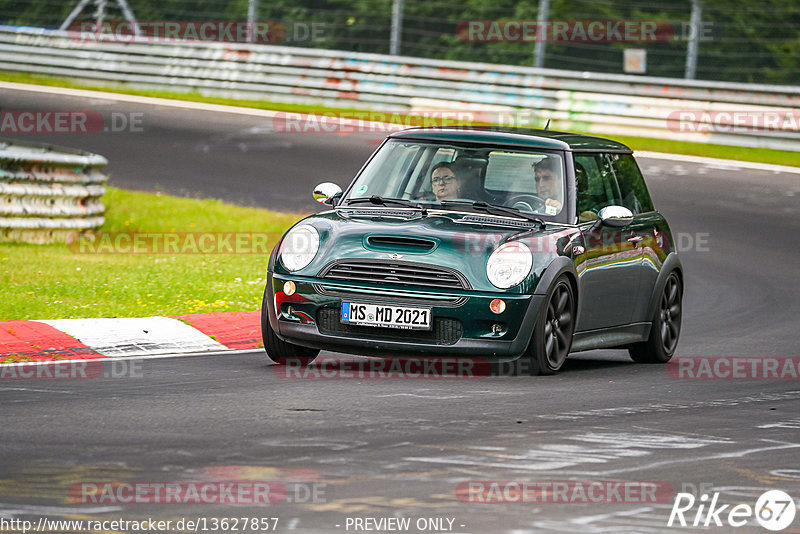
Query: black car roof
[523, 137]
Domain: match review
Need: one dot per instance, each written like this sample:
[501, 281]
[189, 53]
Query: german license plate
[401, 317]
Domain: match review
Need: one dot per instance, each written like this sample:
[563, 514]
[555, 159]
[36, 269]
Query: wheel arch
[562, 265]
[671, 264]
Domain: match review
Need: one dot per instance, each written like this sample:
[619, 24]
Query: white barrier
[47, 193]
[714, 112]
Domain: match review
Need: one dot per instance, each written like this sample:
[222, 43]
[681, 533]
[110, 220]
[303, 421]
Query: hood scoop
[391, 243]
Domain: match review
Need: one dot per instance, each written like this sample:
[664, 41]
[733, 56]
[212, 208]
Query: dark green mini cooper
[492, 243]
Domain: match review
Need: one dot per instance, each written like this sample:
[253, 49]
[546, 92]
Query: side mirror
[616, 216]
[327, 193]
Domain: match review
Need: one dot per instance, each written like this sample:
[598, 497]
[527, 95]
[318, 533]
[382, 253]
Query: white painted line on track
[685, 460]
[195, 106]
[228, 352]
[34, 390]
[719, 163]
[135, 99]
[11, 509]
[219, 108]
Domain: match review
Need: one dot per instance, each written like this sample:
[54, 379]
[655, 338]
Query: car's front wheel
[666, 329]
[552, 335]
[279, 351]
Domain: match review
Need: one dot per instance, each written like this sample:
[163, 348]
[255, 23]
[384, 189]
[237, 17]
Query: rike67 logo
[774, 510]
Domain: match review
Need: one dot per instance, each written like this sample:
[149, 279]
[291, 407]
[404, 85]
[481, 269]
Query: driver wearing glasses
[446, 185]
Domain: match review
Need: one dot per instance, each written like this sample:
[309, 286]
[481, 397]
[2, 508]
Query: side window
[595, 185]
[631, 184]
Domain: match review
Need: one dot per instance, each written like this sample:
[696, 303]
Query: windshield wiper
[382, 201]
[496, 209]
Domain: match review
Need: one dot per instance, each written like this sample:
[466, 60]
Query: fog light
[289, 288]
[497, 306]
[497, 328]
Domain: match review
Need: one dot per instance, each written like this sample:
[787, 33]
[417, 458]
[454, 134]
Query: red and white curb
[79, 339]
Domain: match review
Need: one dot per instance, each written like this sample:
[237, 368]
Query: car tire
[552, 334]
[279, 351]
[666, 328]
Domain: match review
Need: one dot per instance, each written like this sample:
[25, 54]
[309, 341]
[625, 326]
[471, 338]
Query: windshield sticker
[360, 191]
[550, 210]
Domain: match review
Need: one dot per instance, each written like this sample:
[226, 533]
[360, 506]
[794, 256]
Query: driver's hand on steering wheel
[554, 203]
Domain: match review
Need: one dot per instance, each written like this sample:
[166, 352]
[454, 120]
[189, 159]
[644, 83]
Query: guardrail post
[694, 40]
[541, 33]
[252, 10]
[397, 27]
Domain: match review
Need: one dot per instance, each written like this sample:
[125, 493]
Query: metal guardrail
[47, 194]
[601, 103]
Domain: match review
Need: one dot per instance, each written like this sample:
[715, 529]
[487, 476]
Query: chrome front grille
[395, 273]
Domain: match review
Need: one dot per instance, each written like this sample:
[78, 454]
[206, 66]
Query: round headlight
[509, 264]
[299, 247]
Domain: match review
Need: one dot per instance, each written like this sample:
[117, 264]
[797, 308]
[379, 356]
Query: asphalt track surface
[379, 448]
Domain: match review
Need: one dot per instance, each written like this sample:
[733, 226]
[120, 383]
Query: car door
[643, 230]
[610, 270]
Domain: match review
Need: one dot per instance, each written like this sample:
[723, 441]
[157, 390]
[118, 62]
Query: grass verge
[759, 155]
[61, 282]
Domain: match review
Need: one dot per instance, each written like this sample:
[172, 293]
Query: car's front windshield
[530, 181]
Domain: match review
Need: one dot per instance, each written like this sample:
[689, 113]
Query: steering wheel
[528, 203]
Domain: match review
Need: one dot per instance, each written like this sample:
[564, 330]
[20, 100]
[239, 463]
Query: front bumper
[463, 321]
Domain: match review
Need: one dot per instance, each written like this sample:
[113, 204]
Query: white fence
[48, 194]
[709, 112]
